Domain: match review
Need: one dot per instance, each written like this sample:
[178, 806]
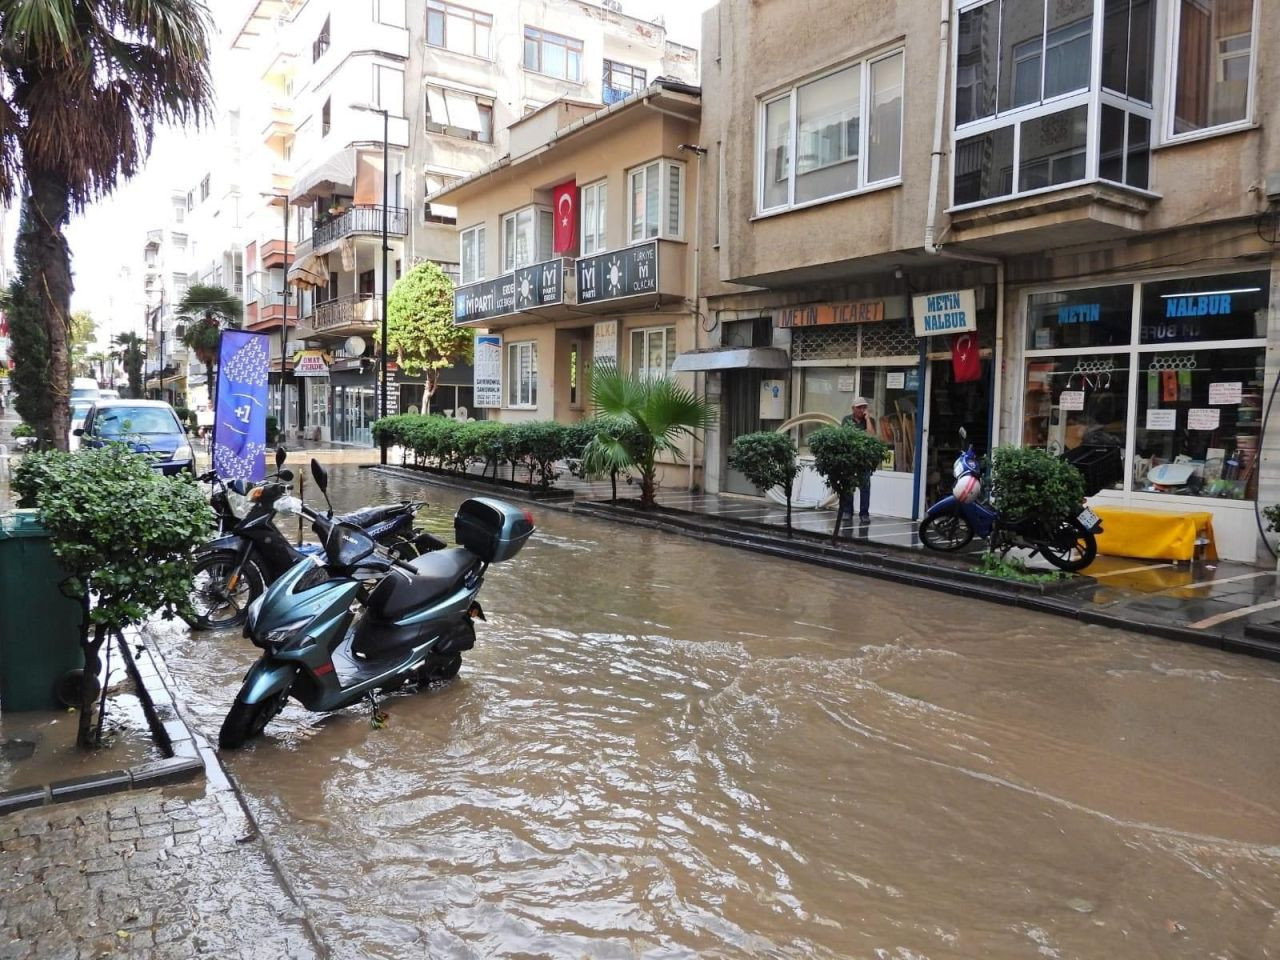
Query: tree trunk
[208, 382]
[50, 286]
[788, 492]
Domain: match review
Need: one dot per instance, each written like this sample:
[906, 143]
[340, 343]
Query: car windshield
[130, 421]
[79, 409]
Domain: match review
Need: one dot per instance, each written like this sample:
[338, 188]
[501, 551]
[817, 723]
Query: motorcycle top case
[494, 531]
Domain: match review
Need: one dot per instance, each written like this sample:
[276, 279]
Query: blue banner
[240, 427]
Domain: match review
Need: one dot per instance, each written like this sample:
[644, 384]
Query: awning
[732, 358]
[334, 174]
[309, 271]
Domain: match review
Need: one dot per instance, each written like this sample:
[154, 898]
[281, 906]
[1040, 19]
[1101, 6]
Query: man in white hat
[859, 420]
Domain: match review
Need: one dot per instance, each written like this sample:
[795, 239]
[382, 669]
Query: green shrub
[23, 430]
[273, 430]
[768, 460]
[1272, 513]
[845, 456]
[1026, 481]
[538, 444]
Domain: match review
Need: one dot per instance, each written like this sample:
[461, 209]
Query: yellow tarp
[1154, 534]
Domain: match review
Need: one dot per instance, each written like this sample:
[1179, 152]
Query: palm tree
[638, 419]
[130, 353]
[83, 84]
[208, 310]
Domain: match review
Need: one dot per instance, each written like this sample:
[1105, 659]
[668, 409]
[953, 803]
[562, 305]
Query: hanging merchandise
[1169, 382]
[1153, 389]
[1184, 386]
[966, 364]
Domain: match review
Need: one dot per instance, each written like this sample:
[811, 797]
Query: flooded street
[660, 748]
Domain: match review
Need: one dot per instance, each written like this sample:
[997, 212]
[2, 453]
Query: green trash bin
[39, 625]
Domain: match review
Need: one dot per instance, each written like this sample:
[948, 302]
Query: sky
[106, 240]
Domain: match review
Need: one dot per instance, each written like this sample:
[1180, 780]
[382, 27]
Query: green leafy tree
[845, 457]
[130, 352]
[654, 414]
[421, 334]
[207, 311]
[767, 459]
[96, 364]
[125, 535]
[85, 82]
[82, 336]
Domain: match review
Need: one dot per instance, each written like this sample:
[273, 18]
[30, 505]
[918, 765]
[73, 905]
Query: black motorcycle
[251, 553]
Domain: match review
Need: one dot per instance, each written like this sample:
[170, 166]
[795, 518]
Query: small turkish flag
[966, 364]
[565, 198]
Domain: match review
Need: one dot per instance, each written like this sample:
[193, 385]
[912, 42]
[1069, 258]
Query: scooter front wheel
[245, 721]
[945, 532]
[220, 596]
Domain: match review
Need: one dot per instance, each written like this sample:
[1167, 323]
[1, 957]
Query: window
[1075, 319]
[657, 201]
[437, 212]
[458, 29]
[179, 213]
[388, 89]
[1212, 57]
[892, 391]
[471, 253]
[326, 116]
[204, 188]
[366, 283]
[191, 200]
[652, 352]
[522, 374]
[321, 44]
[390, 12]
[844, 130]
[526, 237]
[458, 114]
[620, 81]
[552, 54]
[594, 204]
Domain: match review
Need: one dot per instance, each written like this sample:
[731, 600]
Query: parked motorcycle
[1069, 543]
[357, 621]
[250, 553]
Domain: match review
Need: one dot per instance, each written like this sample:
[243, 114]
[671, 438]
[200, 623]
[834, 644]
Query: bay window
[657, 201]
[1212, 59]
[471, 254]
[653, 350]
[526, 237]
[522, 374]
[1026, 115]
[594, 217]
[844, 130]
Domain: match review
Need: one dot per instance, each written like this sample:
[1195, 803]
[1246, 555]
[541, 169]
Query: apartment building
[168, 371]
[577, 246]
[434, 86]
[1074, 245]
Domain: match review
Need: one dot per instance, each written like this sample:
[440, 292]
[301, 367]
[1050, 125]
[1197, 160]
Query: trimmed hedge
[449, 444]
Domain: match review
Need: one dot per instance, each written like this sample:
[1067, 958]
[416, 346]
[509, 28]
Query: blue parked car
[147, 426]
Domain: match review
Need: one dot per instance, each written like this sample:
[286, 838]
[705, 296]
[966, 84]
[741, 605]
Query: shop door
[952, 406]
[740, 395]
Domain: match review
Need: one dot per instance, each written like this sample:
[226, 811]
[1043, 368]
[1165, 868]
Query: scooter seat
[400, 593]
[370, 516]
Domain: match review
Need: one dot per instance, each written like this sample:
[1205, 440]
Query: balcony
[269, 311]
[610, 94]
[280, 122]
[363, 219]
[347, 315]
[275, 254]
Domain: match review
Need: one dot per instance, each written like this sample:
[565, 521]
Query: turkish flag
[966, 365]
[565, 198]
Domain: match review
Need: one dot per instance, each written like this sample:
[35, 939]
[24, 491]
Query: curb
[185, 757]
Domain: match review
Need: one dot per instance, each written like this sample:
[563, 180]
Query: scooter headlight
[283, 634]
[251, 621]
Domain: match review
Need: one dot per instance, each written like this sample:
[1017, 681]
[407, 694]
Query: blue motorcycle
[1069, 543]
[359, 621]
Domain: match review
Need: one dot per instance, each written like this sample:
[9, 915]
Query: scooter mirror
[286, 476]
[321, 478]
[280, 455]
[964, 434]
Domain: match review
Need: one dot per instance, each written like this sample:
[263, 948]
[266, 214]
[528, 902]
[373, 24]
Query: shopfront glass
[891, 394]
[354, 410]
[1179, 390]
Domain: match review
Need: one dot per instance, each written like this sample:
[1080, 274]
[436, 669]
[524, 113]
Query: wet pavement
[663, 748]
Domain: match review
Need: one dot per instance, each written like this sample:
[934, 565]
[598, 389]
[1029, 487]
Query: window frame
[864, 66]
[665, 165]
[601, 234]
[1170, 73]
[484, 106]
[478, 241]
[634, 74]
[445, 8]
[515, 385]
[510, 264]
[642, 370]
[446, 180]
[380, 70]
[542, 37]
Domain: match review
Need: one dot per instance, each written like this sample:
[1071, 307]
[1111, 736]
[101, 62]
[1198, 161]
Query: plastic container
[39, 625]
[491, 529]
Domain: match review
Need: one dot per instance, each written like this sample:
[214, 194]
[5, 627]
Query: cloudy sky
[106, 241]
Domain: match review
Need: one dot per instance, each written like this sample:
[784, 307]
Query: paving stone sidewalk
[158, 874]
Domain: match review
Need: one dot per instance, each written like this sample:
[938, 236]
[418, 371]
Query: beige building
[583, 238]
[1084, 193]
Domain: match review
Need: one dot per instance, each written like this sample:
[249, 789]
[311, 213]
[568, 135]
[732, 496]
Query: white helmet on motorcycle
[960, 467]
[967, 488]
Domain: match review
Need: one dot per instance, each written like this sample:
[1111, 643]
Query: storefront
[1169, 370]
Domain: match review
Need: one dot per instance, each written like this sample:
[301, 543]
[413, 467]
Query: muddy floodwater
[660, 748]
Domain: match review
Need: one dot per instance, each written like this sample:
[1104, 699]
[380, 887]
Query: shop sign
[1069, 314]
[951, 311]
[826, 314]
[895, 381]
[1162, 419]
[311, 363]
[1071, 400]
[605, 345]
[630, 272]
[488, 371]
[538, 285]
[1207, 305]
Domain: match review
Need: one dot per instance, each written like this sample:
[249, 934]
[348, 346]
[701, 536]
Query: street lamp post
[284, 324]
[386, 179]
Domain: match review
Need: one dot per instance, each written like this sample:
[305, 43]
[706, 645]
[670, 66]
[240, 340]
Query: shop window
[1198, 425]
[472, 254]
[892, 393]
[652, 352]
[1077, 400]
[1223, 307]
[1213, 63]
[522, 374]
[1097, 317]
[458, 28]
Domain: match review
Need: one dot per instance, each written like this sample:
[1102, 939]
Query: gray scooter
[343, 627]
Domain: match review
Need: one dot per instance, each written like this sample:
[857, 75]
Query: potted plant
[845, 458]
[767, 459]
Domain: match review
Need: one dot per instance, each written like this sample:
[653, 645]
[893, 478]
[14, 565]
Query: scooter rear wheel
[245, 721]
[218, 603]
[945, 532]
[440, 670]
[1072, 548]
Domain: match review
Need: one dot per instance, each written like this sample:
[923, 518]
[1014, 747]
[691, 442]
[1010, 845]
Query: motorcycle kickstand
[377, 716]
